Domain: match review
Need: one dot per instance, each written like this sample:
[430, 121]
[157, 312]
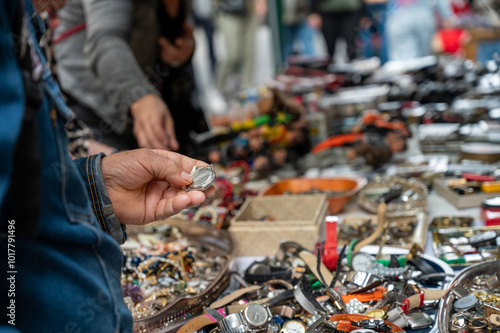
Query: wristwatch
[252, 319]
[294, 326]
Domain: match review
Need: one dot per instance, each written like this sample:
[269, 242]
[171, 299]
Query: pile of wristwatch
[294, 292]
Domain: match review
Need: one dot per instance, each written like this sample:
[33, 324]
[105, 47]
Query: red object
[244, 165]
[407, 302]
[490, 211]
[337, 141]
[68, 33]
[330, 253]
[478, 178]
[451, 38]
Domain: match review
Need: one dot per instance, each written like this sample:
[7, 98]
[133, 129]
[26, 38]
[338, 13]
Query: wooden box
[263, 222]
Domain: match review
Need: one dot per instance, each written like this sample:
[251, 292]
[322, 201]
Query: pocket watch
[203, 177]
[293, 326]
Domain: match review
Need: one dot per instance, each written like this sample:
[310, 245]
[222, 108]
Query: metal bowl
[464, 278]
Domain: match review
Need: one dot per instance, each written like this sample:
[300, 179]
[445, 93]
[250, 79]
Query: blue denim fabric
[377, 15]
[90, 168]
[68, 278]
[301, 32]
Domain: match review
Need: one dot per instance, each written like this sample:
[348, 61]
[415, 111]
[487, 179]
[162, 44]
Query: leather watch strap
[434, 294]
[283, 311]
[196, 324]
[310, 261]
[417, 300]
[234, 308]
[264, 277]
[283, 296]
[233, 296]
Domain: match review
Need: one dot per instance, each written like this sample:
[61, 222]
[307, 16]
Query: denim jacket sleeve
[90, 169]
[11, 96]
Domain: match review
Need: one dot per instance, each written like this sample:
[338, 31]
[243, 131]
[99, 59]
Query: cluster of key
[476, 307]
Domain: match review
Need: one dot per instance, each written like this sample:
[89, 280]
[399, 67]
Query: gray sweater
[96, 66]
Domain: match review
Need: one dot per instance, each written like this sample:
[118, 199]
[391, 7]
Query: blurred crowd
[130, 75]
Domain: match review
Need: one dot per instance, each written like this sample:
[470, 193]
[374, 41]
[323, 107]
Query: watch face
[256, 315]
[203, 178]
[362, 261]
[293, 326]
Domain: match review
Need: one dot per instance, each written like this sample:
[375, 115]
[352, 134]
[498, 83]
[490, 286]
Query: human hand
[146, 185]
[314, 21]
[153, 123]
[181, 51]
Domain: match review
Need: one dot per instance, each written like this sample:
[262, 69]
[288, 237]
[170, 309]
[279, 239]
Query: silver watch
[203, 177]
[252, 319]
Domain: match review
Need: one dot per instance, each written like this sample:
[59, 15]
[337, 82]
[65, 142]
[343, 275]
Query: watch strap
[281, 297]
[310, 260]
[234, 308]
[264, 277]
[434, 294]
[283, 311]
[303, 295]
[197, 323]
[233, 296]
[417, 300]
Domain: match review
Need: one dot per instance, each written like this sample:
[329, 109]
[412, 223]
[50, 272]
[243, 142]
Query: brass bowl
[174, 315]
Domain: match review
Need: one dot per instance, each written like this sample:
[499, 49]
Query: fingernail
[187, 176]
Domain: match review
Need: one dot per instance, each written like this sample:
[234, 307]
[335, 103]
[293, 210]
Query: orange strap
[337, 141]
[377, 294]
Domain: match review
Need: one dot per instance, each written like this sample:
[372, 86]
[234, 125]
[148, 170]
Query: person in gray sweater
[104, 84]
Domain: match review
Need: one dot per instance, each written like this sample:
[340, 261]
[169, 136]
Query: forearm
[109, 55]
[90, 170]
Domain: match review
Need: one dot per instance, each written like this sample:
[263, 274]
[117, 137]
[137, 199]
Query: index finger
[186, 163]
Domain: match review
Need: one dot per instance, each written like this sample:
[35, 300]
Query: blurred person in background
[237, 21]
[296, 28]
[411, 25]
[372, 33]
[162, 42]
[203, 13]
[337, 19]
[105, 85]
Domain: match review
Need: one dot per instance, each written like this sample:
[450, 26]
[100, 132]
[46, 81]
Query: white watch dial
[293, 326]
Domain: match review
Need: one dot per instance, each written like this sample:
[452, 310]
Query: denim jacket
[68, 277]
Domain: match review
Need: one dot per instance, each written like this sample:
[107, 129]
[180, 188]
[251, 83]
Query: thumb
[166, 169]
